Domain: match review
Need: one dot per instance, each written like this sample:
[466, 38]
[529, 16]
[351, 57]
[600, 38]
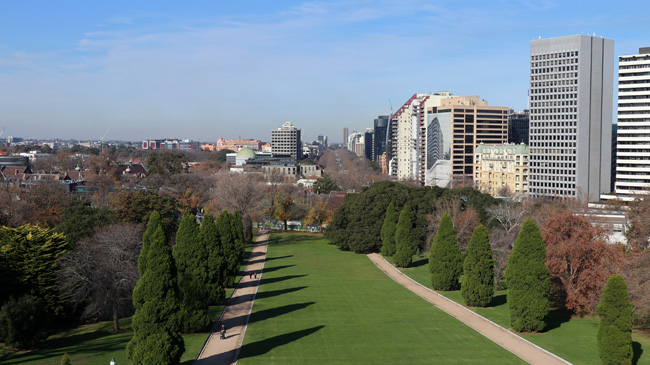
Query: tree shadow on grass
[269, 280]
[276, 268]
[269, 313]
[556, 317]
[269, 259]
[262, 347]
[637, 350]
[291, 239]
[498, 300]
[270, 293]
[419, 262]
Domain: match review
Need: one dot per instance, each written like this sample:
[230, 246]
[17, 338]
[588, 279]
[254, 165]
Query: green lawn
[317, 304]
[95, 344]
[573, 339]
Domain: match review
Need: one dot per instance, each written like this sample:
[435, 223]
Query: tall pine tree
[404, 239]
[615, 327]
[477, 287]
[191, 257]
[238, 233]
[228, 248]
[153, 224]
[216, 260]
[445, 258]
[528, 280]
[156, 323]
[388, 231]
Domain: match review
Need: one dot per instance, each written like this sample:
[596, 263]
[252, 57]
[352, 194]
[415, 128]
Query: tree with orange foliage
[579, 261]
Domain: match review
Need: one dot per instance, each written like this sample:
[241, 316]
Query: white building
[286, 141]
[571, 89]
[633, 137]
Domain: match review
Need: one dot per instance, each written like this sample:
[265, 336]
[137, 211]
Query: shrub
[478, 270]
[615, 326]
[65, 359]
[24, 322]
[529, 283]
[445, 258]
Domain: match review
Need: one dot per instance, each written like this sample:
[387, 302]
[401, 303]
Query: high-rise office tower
[380, 141]
[633, 132]
[518, 127]
[285, 141]
[571, 81]
[345, 137]
[454, 128]
[369, 142]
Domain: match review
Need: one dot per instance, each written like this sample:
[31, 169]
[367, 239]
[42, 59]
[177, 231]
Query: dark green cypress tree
[445, 258]
[404, 239]
[528, 280]
[388, 231]
[615, 326]
[191, 259]
[216, 260]
[477, 287]
[228, 248]
[153, 224]
[238, 233]
[156, 323]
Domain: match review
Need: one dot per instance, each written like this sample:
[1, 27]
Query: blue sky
[209, 69]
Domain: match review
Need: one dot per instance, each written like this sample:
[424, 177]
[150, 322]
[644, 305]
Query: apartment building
[571, 81]
[633, 132]
[502, 169]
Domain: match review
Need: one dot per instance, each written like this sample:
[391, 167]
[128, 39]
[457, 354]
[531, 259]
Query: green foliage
[24, 323]
[404, 243]
[156, 322]
[357, 223]
[615, 327]
[325, 185]
[191, 257]
[228, 248]
[81, 220]
[136, 207]
[65, 359]
[209, 234]
[221, 155]
[247, 222]
[529, 282]
[388, 231]
[153, 224]
[445, 258]
[477, 287]
[28, 255]
[238, 232]
[166, 163]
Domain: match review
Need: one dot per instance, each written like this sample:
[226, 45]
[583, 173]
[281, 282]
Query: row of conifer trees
[527, 277]
[177, 286]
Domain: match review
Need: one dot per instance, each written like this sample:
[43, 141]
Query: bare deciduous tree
[240, 192]
[102, 270]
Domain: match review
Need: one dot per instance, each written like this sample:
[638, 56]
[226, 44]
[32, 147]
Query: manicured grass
[317, 304]
[95, 344]
[573, 339]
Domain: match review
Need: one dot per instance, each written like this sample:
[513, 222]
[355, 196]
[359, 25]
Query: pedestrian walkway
[236, 313]
[520, 347]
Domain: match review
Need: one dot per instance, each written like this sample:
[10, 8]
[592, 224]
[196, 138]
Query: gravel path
[520, 347]
[236, 313]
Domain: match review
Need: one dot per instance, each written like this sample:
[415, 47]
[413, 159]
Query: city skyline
[151, 70]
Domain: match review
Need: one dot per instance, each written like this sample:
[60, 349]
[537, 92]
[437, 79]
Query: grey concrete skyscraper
[286, 141]
[571, 90]
[345, 137]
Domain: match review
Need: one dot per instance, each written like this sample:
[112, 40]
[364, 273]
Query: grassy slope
[94, 344]
[572, 339]
[317, 304]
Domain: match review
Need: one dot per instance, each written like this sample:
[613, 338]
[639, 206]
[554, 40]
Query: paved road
[235, 315]
[520, 347]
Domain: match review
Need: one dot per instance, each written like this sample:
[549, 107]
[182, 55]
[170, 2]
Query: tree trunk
[116, 323]
[285, 225]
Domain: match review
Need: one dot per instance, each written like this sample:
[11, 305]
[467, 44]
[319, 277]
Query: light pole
[112, 361]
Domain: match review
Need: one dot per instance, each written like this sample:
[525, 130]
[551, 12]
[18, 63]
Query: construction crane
[105, 133]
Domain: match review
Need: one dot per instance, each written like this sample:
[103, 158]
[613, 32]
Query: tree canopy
[325, 185]
[388, 231]
[445, 258]
[404, 242]
[615, 327]
[477, 287]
